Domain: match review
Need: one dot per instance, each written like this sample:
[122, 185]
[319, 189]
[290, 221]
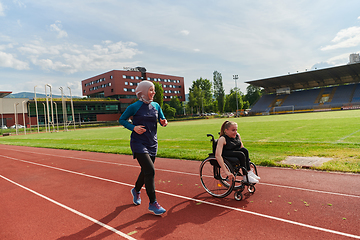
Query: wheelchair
[211, 175]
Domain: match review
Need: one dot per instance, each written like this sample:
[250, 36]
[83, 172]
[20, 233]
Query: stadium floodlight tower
[236, 77]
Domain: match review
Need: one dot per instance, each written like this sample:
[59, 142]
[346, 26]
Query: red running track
[60, 194]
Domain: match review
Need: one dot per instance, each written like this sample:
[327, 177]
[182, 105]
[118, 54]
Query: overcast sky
[65, 41]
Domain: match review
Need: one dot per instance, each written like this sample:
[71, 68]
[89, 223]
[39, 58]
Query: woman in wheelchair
[229, 145]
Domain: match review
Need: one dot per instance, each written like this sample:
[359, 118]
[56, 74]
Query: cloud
[19, 3]
[9, 61]
[38, 48]
[75, 58]
[185, 32]
[349, 37]
[1, 10]
[56, 27]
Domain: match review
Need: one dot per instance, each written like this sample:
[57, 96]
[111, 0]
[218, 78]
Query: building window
[126, 83]
[111, 77]
[125, 89]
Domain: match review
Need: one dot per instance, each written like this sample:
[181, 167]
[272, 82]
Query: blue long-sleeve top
[147, 115]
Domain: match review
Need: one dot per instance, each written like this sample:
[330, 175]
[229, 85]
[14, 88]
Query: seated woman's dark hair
[226, 125]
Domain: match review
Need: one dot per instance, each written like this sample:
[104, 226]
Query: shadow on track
[185, 212]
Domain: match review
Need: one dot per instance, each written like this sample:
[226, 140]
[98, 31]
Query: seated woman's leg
[247, 159]
[237, 154]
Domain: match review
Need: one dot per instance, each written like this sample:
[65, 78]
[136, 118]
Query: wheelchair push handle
[212, 137]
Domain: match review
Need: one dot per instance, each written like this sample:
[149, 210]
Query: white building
[354, 58]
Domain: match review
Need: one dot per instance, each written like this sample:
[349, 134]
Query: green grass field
[270, 139]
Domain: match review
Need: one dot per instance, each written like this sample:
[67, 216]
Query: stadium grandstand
[336, 88]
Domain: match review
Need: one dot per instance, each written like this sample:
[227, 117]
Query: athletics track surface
[60, 194]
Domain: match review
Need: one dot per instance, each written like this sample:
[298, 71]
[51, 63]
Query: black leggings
[147, 175]
[242, 154]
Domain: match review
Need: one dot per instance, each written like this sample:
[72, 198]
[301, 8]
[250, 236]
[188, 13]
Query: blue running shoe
[136, 196]
[156, 208]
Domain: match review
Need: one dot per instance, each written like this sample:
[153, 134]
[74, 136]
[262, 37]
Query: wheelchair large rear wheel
[213, 180]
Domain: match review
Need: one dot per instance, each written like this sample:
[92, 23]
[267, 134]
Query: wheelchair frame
[218, 186]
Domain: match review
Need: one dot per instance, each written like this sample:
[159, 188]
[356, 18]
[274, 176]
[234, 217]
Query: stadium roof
[4, 94]
[313, 78]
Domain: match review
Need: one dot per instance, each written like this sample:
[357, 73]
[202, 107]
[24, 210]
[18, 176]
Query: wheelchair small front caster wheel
[238, 196]
[251, 189]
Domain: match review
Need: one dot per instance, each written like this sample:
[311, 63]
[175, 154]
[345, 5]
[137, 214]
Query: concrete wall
[7, 105]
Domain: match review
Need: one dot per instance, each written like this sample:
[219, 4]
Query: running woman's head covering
[142, 91]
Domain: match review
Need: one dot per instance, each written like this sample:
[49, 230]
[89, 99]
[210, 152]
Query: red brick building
[121, 84]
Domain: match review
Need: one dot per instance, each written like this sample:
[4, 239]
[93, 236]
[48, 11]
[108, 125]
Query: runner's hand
[163, 122]
[140, 129]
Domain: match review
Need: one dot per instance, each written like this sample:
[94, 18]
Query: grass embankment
[270, 139]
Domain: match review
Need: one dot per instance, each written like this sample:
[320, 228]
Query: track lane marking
[193, 174]
[71, 210]
[200, 201]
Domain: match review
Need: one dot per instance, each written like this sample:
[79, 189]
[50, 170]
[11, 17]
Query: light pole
[37, 115]
[72, 107]
[63, 108]
[236, 77]
[45, 117]
[28, 107]
[57, 119]
[47, 105]
[15, 110]
[24, 102]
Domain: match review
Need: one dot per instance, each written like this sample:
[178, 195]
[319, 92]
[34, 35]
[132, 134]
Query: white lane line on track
[72, 210]
[201, 201]
[193, 174]
[309, 190]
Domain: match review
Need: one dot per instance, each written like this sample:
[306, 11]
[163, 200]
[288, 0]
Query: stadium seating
[309, 100]
[356, 96]
[342, 95]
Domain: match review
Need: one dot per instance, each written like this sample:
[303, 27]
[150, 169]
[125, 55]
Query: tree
[200, 95]
[159, 94]
[175, 103]
[219, 92]
[169, 112]
[230, 102]
[253, 94]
